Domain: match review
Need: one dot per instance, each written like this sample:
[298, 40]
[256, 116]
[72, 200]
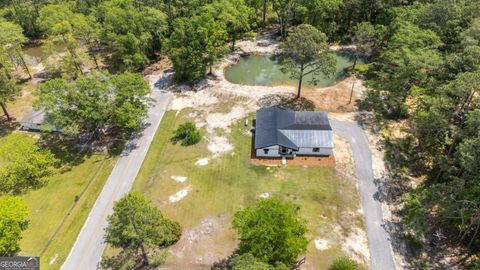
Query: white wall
[272, 151]
[309, 151]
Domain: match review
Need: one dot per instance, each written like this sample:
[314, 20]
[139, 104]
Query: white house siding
[31, 126]
[308, 151]
[272, 151]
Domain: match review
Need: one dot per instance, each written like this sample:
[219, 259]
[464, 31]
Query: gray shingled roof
[277, 126]
[34, 117]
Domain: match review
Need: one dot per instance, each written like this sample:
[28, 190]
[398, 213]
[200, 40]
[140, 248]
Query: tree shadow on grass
[7, 127]
[67, 151]
[287, 101]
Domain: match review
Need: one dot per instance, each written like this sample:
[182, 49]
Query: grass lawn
[19, 108]
[59, 209]
[230, 182]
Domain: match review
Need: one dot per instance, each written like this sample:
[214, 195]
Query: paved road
[381, 254]
[88, 248]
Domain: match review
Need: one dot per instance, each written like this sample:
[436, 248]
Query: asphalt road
[88, 248]
[381, 254]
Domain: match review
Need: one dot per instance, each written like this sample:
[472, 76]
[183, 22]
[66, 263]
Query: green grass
[70, 190]
[230, 182]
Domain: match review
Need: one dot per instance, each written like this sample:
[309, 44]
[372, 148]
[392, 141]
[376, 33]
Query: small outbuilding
[286, 133]
[35, 120]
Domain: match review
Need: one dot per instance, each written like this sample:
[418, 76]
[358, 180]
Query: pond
[33, 55]
[264, 70]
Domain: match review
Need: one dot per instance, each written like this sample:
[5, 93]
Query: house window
[316, 150]
[265, 151]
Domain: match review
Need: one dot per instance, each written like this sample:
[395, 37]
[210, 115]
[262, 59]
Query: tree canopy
[13, 220]
[23, 164]
[271, 231]
[137, 226]
[305, 51]
[95, 103]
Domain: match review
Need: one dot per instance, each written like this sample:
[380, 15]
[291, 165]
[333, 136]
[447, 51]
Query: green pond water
[33, 55]
[264, 70]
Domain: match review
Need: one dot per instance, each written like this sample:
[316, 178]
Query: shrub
[345, 263]
[272, 231]
[187, 133]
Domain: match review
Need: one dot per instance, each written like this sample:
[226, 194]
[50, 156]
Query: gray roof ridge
[292, 143]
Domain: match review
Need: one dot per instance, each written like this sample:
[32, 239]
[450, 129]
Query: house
[35, 120]
[287, 133]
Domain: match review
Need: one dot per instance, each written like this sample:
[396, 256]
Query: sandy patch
[179, 195]
[199, 245]
[219, 145]
[342, 150]
[224, 120]
[179, 179]
[356, 246]
[321, 244]
[262, 44]
[264, 195]
[202, 162]
[190, 99]
[54, 258]
[336, 98]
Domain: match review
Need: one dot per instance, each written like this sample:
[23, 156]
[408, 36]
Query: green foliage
[409, 59]
[23, 165]
[131, 31]
[248, 262]
[102, 103]
[13, 220]
[199, 40]
[187, 48]
[414, 211]
[271, 231]
[11, 41]
[320, 13]
[8, 89]
[369, 39]
[305, 51]
[234, 15]
[296, 104]
[58, 21]
[344, 263]
[424, 67]
[187, 133]
[136, 226]
[25, 13]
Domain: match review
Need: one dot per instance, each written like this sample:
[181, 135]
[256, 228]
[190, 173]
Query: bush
[187, 133]
[345, 263]
[272, 231]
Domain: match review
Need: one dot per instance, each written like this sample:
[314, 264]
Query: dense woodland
[423, 72]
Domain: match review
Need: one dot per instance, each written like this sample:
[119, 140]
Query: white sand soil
[196, 244]
[264, 195]
[219, 145]
[224, 120]
[202, 162]
[179, 195]
[179, 179]
[321, 244]
[356, 246]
